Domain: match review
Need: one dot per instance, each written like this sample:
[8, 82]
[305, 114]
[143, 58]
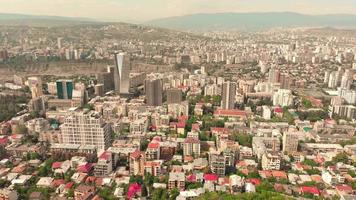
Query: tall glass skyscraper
[122, 73]
[64, 89]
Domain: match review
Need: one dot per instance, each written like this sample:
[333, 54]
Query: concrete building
[178, 109]
[154, 91]
[104, 166]
[99, 90]
[35, 85]
[261, 145]
[266, 112]
[107, 79]
[212, 90]
[137, 163]
[52, 88]
[273, 75]
[271, 161]
[228, 95]
[219, 161]
[176, 180]
[290, 142]
[346, 111]
[174, 96]
[283, 98]
[86, 128]
[191, 147]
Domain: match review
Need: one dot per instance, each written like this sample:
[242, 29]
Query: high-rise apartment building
[64, 89]
[35, 85]
[86, 128]
[3, 55]
[290, 142]
[191, 147]
[107, 79]
[283, 98]
[174, 96]
[212, 90]
[137, 163]
[154, 90]
[273, 75]
[228, 95]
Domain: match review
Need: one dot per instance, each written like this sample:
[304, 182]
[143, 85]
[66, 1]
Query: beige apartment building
[86, 128]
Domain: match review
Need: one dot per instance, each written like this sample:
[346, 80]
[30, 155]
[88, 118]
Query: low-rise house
[79, 177]
[84, 192]
[104, 166]
[176, 180]
[21, 180]
[44, 182]
[7, 194]
[249, 187]
[309, 190]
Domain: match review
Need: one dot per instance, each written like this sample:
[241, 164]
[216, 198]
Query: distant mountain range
[41, 20]
[253, 21]
[203, 22]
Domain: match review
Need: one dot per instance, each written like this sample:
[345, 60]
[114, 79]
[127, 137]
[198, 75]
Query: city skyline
[126, 11]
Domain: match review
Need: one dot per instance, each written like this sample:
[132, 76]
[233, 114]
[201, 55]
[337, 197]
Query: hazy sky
[143, 10]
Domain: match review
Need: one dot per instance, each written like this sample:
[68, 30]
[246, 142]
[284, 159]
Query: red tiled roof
[181, 125]
[69, 185]
[191, 140]
[85, 168]
[99, 181]
[265, 173]
[344, 188]
[237, 113]
[224, 181]
[219, 129]
[172, 124]
[156, 139]
[90, 179]
[105, 155]
[244, 171]
[153, 145]
[241, 163]
[56, 165]
[278, 110]
[211, 177]
[133, 189]
[57, 182]
[183, 118]
[310, 189]
[192, 178]
[152, 164]
[254, 181]
[279, 174]
[195, 126]
[136, 154]
[4, 140]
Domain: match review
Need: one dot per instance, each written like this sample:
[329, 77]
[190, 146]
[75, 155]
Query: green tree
[265, 186]
[341, 157]
[160, 194]
[310, 162]
[174, 193]
[243, 139]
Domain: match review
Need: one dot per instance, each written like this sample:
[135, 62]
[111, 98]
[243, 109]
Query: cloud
[144, 10]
